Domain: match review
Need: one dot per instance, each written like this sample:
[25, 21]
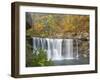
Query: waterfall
[57, 49]
[67, 49]
[77, 49]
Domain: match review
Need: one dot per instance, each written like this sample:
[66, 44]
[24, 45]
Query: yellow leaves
[68, 27]
[38, 27]
[59, 24]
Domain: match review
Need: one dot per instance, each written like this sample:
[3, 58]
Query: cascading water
[57, 49]
[67, 49]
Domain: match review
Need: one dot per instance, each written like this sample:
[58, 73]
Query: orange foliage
[38, 27]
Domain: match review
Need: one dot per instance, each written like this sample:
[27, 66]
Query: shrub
[40, 58]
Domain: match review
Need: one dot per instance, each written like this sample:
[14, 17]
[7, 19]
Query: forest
[49, 25]
[59, 26]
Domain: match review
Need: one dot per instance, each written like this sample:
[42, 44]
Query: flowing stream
[57, 49]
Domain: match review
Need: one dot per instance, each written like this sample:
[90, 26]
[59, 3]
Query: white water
[57, 49]
[69, 49]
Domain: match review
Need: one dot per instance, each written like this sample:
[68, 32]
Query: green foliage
[29, 55]
[40, 58]
[36, 57]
